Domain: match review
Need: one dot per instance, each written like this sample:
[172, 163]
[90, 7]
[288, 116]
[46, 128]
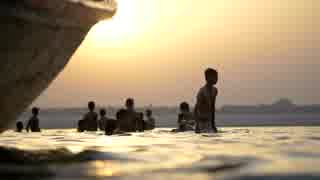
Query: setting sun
[161, 89]
[128, 23]
[151, 45]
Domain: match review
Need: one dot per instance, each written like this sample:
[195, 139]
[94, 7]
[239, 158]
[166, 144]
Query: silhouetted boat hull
[37, 41]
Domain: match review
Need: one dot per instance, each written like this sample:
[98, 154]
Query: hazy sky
[156, 51]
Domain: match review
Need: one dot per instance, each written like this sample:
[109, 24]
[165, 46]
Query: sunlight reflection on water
[160, 153]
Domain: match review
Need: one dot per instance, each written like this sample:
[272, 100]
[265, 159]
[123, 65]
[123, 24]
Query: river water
[234, 153]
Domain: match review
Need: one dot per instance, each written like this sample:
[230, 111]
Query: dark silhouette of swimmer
[103, 119]
[128, 117]
[206, 103]
[150, 122]
[19, 126]
[185, 118]
[120, 114]
[109, 125]
[81, 126]
[91, 118]
[33, 123]
[140, 125]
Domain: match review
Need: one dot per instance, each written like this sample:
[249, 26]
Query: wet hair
[184, 106]
[91, 105]
[103, 112]
[148, 112]
[211, 73]
[129, 102]
[35, 111]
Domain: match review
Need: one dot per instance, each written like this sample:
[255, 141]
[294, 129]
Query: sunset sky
[156, 51]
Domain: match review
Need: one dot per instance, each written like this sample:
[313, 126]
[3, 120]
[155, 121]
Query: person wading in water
[206, 104]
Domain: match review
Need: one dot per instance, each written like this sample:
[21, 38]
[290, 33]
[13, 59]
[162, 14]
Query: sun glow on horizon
[128, 22]
[150, 45]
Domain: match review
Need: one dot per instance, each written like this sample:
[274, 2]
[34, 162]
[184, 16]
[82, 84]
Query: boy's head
[35, 111]
[19, 126]
[148, 112]
[91, 105]
[103, 112]
[211, 76]
[184, 107]
[130, 103]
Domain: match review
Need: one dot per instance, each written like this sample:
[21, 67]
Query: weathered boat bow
[38, 37]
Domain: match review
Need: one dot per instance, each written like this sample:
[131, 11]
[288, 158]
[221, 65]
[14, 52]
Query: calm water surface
[235, 153]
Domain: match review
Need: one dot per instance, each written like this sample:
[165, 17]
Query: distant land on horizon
[281, 113]
[283, 105]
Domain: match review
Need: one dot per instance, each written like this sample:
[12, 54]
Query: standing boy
[206, 102]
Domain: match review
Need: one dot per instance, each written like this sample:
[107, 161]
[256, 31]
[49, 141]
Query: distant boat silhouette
[38, 38]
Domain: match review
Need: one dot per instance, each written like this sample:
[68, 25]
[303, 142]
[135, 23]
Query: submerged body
[33, 124]
[186, 121]
[150, 123]
[128, 121]
[91, 121]
[111, 125]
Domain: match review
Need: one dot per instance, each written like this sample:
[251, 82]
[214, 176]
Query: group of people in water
[127, 120]
[201, 120]
[33, 123]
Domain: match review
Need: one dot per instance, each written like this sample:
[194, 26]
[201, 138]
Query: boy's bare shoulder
[202, 90]
[200, 93]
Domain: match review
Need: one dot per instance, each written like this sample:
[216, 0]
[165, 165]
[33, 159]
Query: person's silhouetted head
[91, 105]
[211, 76]
[148, 113]
[19, 126]
[184, 107]
[130, 104]
[103, 112]
[35, 111]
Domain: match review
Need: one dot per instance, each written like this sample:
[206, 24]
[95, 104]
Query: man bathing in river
[90, 119]
[106, 124]
[185, 118]
[150, 121]
[33, 123]
[129, 117]
[206, 102]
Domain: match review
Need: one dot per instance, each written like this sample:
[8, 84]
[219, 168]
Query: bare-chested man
[33, 123]
[91, 118]
[129, 117]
